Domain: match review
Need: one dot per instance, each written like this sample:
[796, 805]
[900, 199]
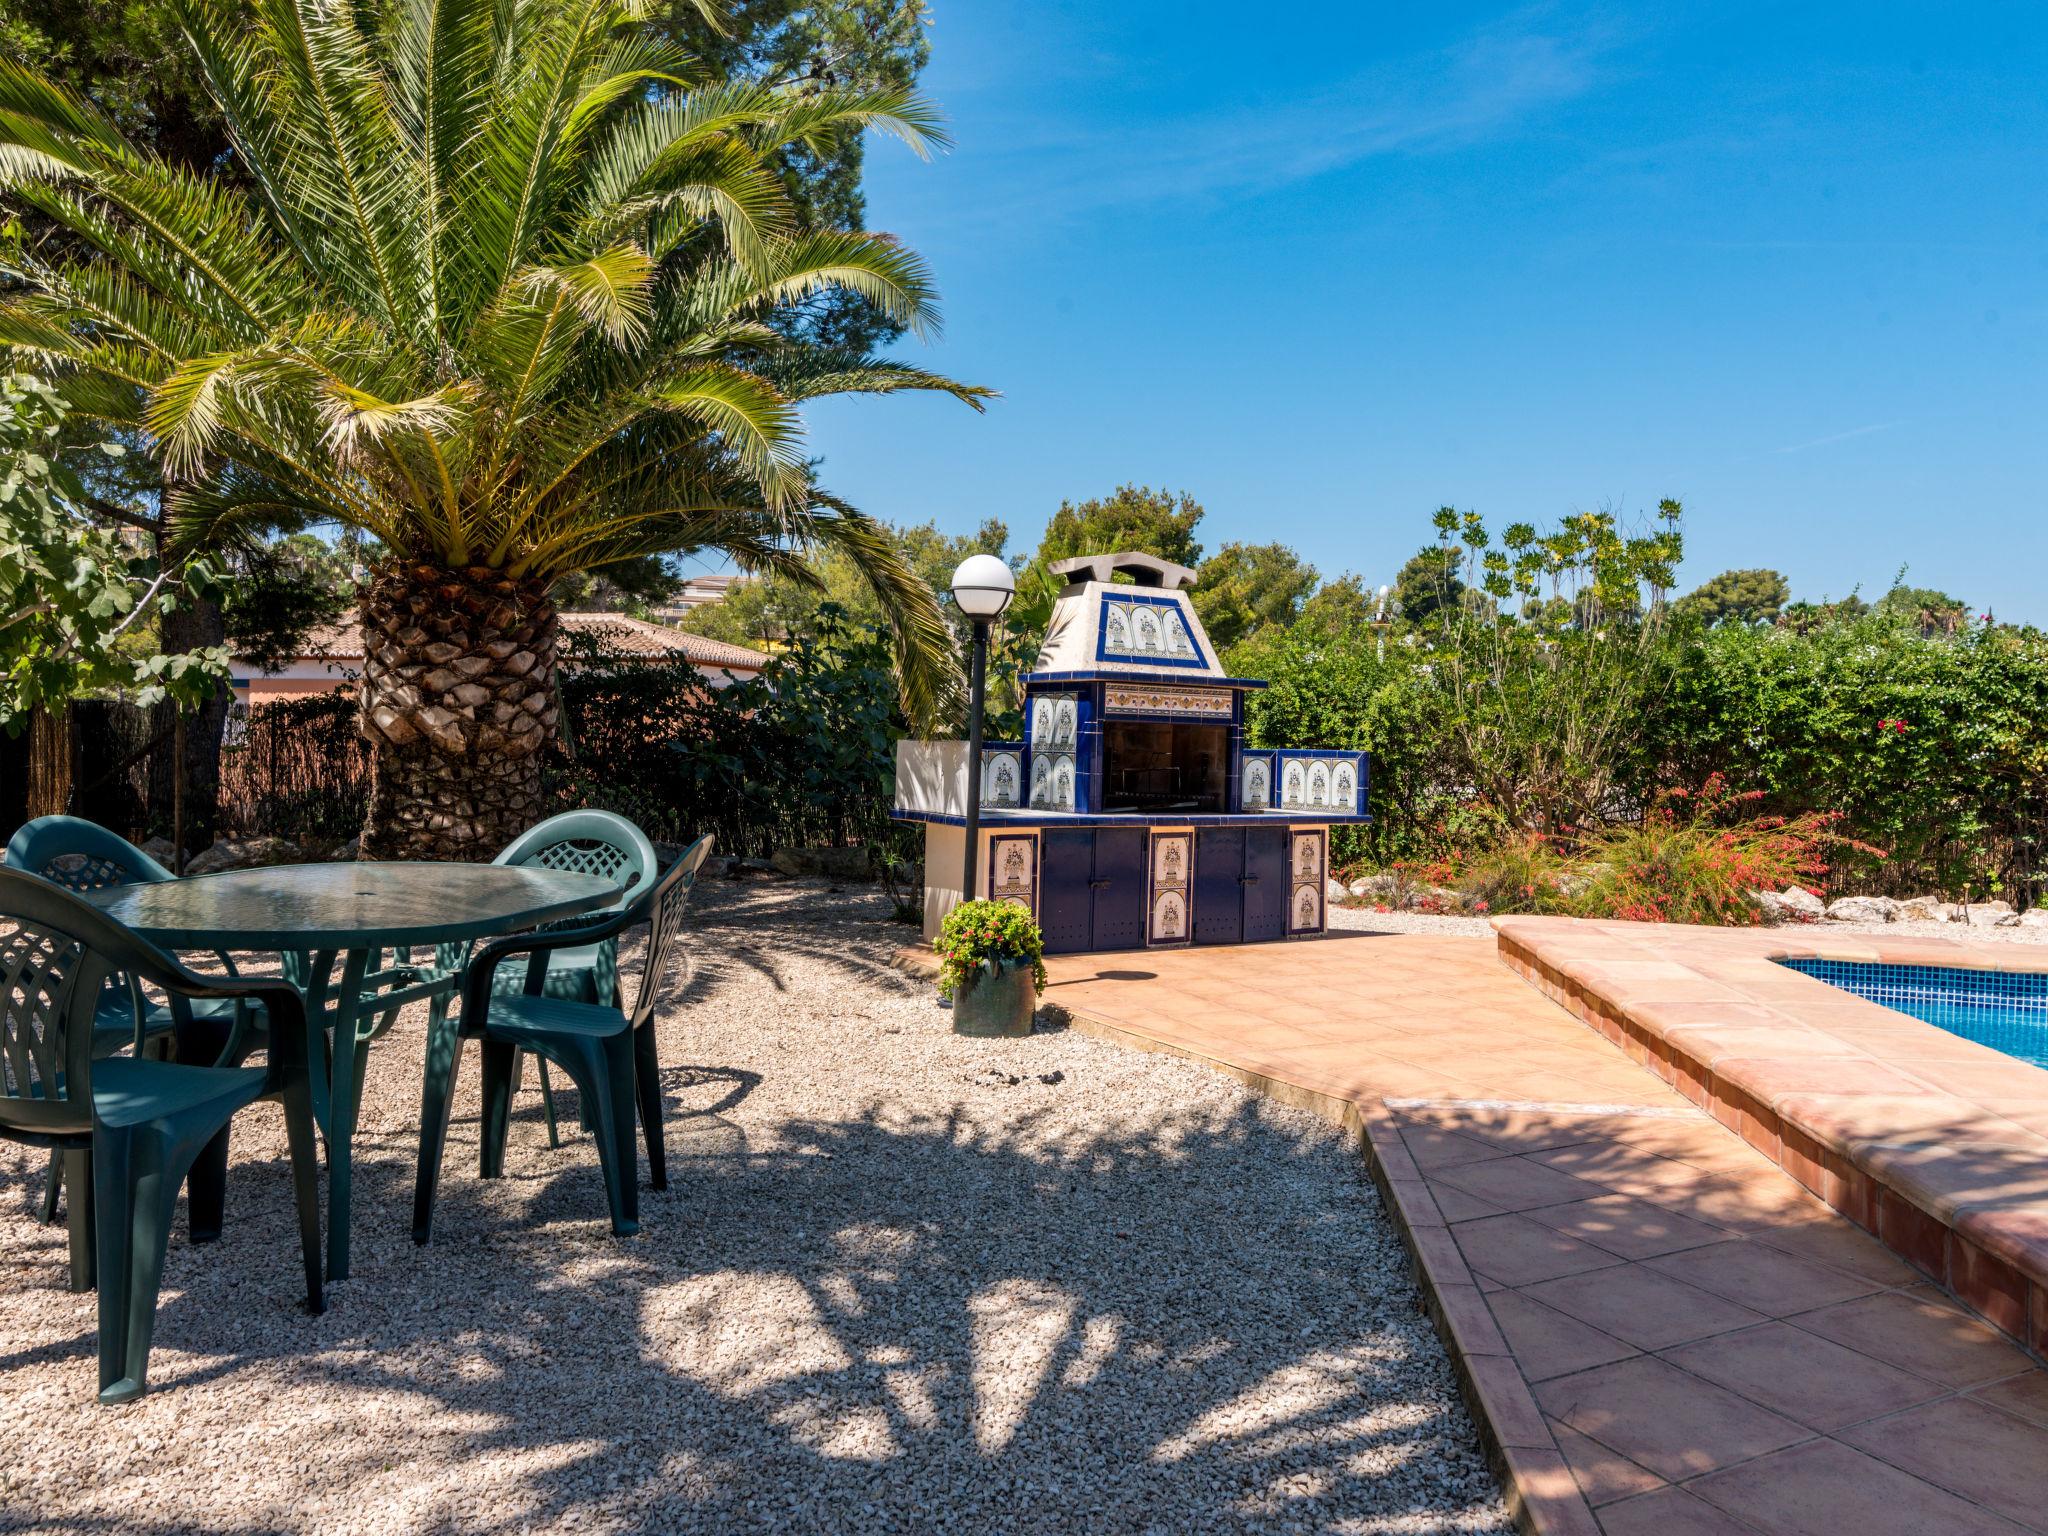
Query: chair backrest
[53, 963]
[663, 907]
[81, 855]
[588, 843]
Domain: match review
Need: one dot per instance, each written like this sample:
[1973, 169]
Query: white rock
[2033, 917]
[1987, 914]
[1802, 905]
[1772, 906]
[1863, 909]
[1376, 888]
[1336, 890]
[244, 854]
[1928, 909]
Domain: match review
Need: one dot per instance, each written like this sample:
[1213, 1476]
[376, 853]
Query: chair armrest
[282, 1004]
[536, 946]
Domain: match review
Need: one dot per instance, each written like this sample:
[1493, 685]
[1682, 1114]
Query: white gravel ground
[888, 1291]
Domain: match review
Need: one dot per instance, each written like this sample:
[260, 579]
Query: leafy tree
[77, 600]
[626, 586]
[130, 58]
[769, 612]
[1133, 517]
[1345, 606]
[1428, 584]
[872, 45]
[1736, 597]
[1927, 609]
[499, 297]
[1243, 588]
[1803, 618]
[283, 590]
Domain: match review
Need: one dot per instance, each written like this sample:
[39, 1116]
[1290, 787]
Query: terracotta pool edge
[1542, 1494]
[1992, 1257]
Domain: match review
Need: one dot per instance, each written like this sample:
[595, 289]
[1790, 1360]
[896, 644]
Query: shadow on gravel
[890, 1322]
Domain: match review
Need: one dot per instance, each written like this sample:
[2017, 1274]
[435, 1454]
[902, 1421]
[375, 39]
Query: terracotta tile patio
[1661, 1330]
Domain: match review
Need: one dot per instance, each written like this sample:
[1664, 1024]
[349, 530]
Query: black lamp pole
[977, 687]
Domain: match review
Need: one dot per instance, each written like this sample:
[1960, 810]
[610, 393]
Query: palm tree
[496, 285]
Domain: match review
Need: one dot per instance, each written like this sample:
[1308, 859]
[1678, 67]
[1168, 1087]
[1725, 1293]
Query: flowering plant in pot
[990, 965]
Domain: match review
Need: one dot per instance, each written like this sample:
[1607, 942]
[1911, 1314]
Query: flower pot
[996, 1004]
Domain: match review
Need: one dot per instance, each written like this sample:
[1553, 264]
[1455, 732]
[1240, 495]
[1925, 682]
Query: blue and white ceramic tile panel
[1002, 776]
[1318, 781]
[1055, 742]
[1256, 793]
[1173, 863]
[1138, 628]
[1013, 871]
[1308, 866]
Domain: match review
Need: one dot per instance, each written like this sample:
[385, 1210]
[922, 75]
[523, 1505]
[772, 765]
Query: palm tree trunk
[458, 701]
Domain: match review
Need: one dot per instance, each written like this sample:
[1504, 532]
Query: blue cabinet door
[1119, 887]
[1066, 904]
[1219, 889]
[1266, 884]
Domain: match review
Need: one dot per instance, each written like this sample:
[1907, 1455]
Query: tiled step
[1935, 1144]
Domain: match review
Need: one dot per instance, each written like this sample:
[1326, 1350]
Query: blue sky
[1329, 267]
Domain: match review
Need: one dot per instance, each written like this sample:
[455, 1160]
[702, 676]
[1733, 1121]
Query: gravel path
[890, 1290]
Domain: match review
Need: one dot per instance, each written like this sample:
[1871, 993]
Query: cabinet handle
[1247, 879]
[1099, 884]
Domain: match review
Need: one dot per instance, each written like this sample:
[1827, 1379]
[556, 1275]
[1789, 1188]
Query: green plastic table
[314, 914]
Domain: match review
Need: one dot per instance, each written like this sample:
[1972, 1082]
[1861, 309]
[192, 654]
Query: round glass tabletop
[350, 906]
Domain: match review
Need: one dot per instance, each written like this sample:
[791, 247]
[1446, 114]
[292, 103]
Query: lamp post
[982, 589]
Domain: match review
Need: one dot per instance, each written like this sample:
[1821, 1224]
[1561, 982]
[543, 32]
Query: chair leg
[53, 1186]
[647, 1087]
[206, 1190]
[547, 1101]
[79, 1211]
[136, 1192]
[305, 1155]
[612, 1108]
[437, 1103]
[500, 1062]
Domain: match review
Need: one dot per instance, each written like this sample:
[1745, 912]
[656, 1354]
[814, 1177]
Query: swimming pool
[2006, 1010]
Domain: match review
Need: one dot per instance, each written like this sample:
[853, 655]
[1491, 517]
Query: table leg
[342, 1106]
[311, 971]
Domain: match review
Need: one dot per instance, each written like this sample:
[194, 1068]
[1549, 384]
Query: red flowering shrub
[1696, 857]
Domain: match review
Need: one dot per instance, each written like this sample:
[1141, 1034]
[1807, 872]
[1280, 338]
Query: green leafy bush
[978, 936]
[801, 756]
[1528, 872]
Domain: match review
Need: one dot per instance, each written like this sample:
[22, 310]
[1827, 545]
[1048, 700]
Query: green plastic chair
[586, 843]
[608, 1052]
[82, 855]
[129, 1128]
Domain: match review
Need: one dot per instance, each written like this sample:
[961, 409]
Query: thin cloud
[1485, 86]
[1843, 437]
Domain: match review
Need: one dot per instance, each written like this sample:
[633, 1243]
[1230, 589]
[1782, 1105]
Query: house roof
[621, 632]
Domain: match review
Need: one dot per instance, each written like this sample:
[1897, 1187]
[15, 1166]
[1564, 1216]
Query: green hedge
[1956, 800]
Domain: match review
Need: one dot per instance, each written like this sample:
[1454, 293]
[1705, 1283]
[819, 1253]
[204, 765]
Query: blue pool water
[2006, 1010]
